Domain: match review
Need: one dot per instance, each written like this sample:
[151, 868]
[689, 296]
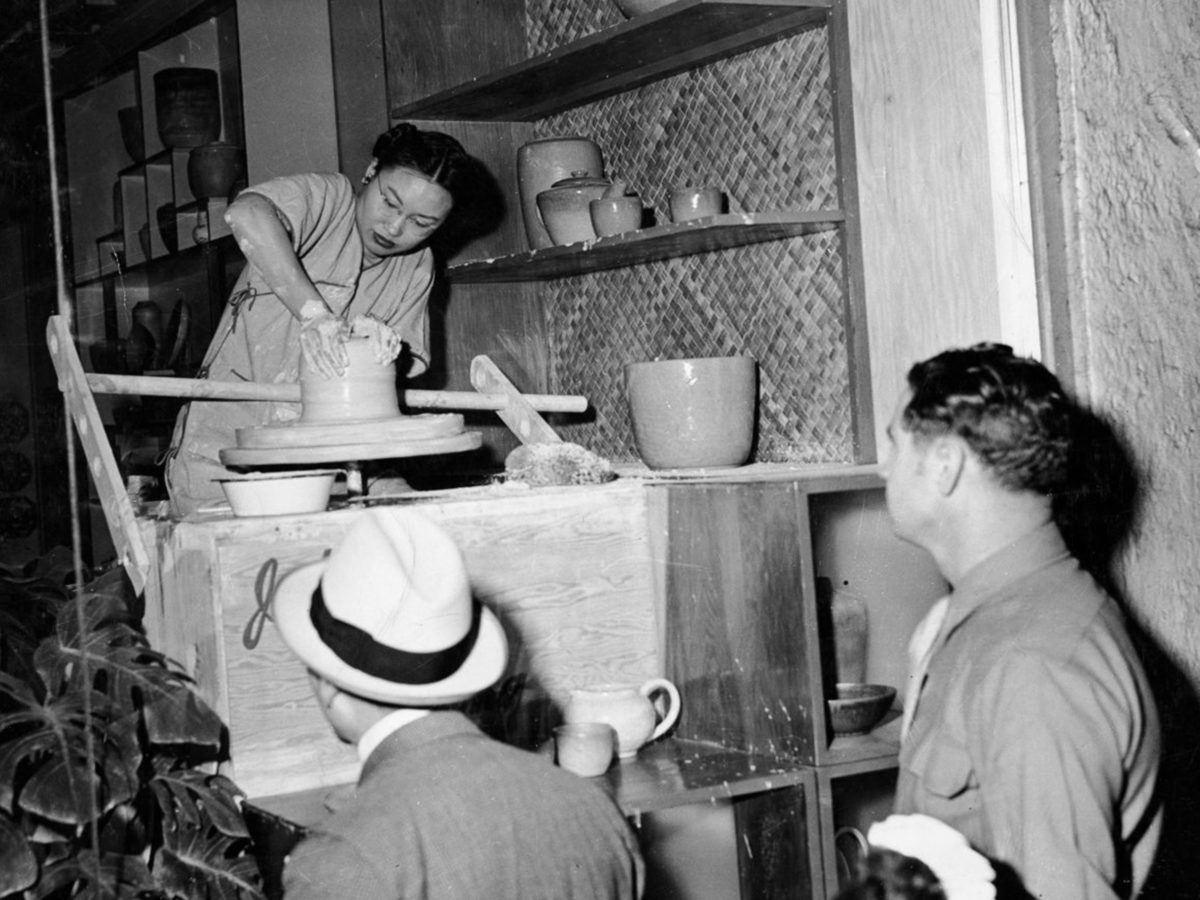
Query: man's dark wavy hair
[1010, 410]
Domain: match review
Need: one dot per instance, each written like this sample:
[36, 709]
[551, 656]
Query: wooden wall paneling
[359, 81]
[290, 120]
[741, 640]
[436, 44]
[924, 184]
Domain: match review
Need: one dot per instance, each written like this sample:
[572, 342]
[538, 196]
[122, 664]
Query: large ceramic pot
[693, 413]
[187, 102]
[565, 207]
[213, 169]
[543, 162]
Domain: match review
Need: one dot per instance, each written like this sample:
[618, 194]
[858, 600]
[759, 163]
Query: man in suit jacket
[392, 636]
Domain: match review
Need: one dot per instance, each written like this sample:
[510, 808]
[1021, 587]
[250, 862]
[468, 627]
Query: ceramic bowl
[631, 8]
[857, 708]
[565, 211]
[693, 413]
[279, 493]
[616, 215]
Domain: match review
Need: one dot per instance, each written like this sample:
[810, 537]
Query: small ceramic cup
[616, 215]
[585, 748]
[695, 203]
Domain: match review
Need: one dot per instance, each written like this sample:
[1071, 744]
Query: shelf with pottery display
[678, 37]
[645, 245]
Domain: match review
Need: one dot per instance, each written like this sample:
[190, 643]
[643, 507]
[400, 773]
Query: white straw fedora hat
[389, 616]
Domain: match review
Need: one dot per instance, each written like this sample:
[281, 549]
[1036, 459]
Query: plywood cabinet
[711, 582]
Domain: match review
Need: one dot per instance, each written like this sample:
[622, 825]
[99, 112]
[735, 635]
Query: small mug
[695, 203]
[585, 748]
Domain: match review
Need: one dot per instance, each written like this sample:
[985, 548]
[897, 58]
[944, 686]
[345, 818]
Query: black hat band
[356, 648]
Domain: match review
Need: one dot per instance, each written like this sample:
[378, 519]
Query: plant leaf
[121, 877]
[199, 861]
[44, 765]
[121, 663]
[196, 798]
[18, 865]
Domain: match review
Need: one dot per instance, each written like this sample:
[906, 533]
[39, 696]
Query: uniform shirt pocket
[944, 768]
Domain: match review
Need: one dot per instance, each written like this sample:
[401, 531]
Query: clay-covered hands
[322, 340]
[386, 343]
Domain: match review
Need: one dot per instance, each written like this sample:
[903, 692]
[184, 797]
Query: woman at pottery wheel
[324, 257]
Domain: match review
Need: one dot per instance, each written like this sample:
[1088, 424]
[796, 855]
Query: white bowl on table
[279, 493]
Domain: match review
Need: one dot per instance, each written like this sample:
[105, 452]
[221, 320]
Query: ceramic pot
[130, 118]
[213, 169]
[616, 215]
[693, 413]
[539, 165]
[187, 103]
[565, 207]
[628, 708]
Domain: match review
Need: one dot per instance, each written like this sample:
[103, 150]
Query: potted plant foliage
[106, 755]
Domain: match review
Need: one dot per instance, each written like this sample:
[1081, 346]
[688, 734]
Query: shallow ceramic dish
[858, 708]
[279, 493]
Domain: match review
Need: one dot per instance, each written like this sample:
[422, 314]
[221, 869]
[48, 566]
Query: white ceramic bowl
[279, 493]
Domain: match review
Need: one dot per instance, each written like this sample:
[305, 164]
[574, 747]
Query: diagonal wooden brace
[525, 421]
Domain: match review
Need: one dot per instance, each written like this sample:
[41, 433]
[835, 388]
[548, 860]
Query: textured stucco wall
[1128, 85]
[1130, 169]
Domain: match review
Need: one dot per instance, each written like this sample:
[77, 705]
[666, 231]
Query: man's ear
[950, 460]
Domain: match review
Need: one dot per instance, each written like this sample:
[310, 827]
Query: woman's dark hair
[887, 875]
[437, 156]
[1012, 412]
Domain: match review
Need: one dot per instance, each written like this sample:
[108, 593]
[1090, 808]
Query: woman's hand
[386, 343]
[323, 343]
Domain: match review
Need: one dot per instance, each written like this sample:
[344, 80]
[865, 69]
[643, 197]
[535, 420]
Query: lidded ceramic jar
[565, 207]
[187, 104]
[540, 164]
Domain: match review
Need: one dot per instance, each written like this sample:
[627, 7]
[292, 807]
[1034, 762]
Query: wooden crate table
[569, 572]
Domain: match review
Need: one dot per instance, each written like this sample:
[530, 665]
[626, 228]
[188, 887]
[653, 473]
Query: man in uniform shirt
[1029, 723]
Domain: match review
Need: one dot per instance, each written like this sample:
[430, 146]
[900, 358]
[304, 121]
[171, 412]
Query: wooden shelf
[665, 774]
[646, 245]
[678, 37]
[170, 264]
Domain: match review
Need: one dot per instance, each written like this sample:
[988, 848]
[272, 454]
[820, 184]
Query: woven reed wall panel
[758, 125]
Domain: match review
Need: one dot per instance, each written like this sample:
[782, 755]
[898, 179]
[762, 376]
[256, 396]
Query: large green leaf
[196, 797]
[46, 764]
[121, 663]
[18, 865]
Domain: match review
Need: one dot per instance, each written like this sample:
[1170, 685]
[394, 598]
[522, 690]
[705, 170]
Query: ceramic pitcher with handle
[628, 708]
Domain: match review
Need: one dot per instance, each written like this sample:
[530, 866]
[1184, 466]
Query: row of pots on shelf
[565, 197]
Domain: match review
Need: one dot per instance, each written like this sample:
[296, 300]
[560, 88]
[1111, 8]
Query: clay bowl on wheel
[858, 708]
[279, 493]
